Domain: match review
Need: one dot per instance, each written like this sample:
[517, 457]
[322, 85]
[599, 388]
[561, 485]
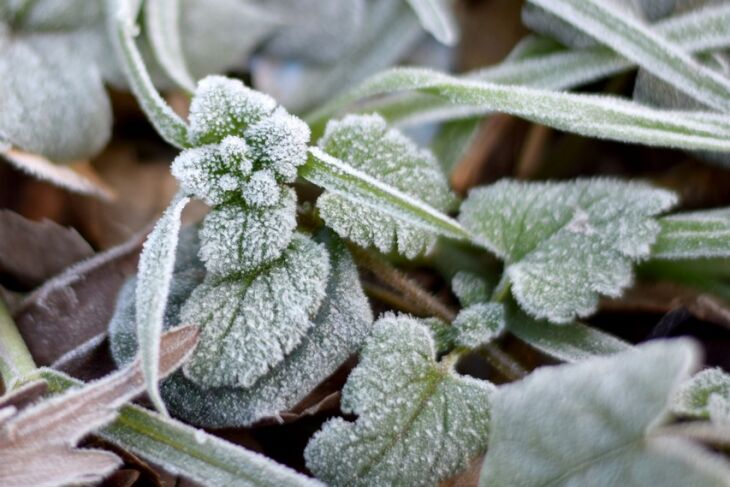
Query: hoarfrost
[366, 143]
[479, 324]
[470, 288]
[261, 190]
[705, 396]
[419, 421]
[564, 244]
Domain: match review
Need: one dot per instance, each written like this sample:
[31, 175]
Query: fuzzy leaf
[193, 453]
[365, 143]
[155, 273]
[565, 244]
[437, 19]
[705, 396]
[695, 235]
[470, 288]
[419, 422]
[37, 445]
[162, 22]
[591, 423]
[252, 322]
[479, 324]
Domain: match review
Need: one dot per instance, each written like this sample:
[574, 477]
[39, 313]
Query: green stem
[15, 358]
[502, 291]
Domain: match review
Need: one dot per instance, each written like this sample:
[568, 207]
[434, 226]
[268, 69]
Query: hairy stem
[15, 358]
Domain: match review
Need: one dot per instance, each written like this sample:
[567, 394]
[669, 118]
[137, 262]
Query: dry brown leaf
[37, 445]
[31, 252]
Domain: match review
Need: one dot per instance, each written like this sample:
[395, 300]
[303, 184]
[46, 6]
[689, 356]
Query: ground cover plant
[356, 282]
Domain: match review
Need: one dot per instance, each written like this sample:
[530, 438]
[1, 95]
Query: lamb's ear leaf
[705, 396]
[419, 421]
[193, 453]
[162, 24]
[156, 265]
[566, 244]
[694, 235]
[436, 18]
[383, 190]
[550, 421]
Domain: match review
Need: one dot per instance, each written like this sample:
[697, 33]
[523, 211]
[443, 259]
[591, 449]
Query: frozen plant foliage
[366, 143]
[479, 324]
[705, 396]
[693, 235]
[418, 420]
[591, 424]
[470, 288]
[565, 244]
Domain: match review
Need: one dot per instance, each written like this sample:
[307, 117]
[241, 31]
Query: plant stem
[429, 305]
[502, 291]
[15, 359]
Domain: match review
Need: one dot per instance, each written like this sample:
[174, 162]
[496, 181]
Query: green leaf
[251, 322]
[565, 244]
[694, 235]
[591, 424]
[190, 452]
[437, 19]
[705, 396]
[479, 324]
[365, 143]
[342, 322]
[162, 23]
[571, 342]
[618, 28]
[418, 421]
[156, 265]
[470, 288]
[588, 115]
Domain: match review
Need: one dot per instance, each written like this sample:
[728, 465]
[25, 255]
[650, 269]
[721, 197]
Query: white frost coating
[470, 288]
[591, 424]
[437, 18]
[479, 324]
[224, 106]
[237, 239]
[280, 143]
[695, 235]
[565, 244]
[418, 421]
[366, 143]
[250, 323]
[261, 190]
[705, 396]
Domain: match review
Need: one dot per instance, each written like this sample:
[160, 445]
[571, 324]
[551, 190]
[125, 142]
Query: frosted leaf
[479, 324]
[249, 323]
[224, 106]
[694, 235]
[212, 172]
[280, 143]
[366, 143]
[706, 393]
[261, 190]
[340, 326]
[237, 239]
[444, 335]
[470, 288]
[564, 244]
[591, 423]
[418, 420]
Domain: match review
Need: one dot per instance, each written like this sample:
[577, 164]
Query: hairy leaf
[367, 144]
[162, 21]
[706, 396]
[479, 324]
[418, 421]
[694, 235]
[591, 424]
[250, 323]
[565, 244]
[437, 19]
[37, 445]
[193, 453]
[470, 288]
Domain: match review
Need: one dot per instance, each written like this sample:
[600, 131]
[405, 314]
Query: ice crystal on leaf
[249, 323]
[366, 143]
[564, 244]
[706, 396]
[479, 324]
[591, 423]
[418, 420]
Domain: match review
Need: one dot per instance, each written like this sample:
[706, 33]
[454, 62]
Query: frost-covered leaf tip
[418, 420]
[366, 143]
[565, 244]
[479, 324]
[706, 396]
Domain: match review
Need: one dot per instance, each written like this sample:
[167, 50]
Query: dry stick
[429, 305]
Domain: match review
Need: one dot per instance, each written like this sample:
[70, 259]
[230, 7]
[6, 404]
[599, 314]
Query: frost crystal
[418, 421]
[706, 395]
[250, 323]
[591, 423]
[366, 143]
[479, 324]
[564, 244]
[261, 190]
[470, 288]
